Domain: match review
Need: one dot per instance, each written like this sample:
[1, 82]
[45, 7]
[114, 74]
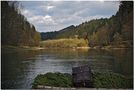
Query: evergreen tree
[16, 30]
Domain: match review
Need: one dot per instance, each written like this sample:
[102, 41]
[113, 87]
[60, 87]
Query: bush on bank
[53, 79]
[100, 80]
[64, 43]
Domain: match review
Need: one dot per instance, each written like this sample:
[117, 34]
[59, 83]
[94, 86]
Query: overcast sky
[49, 16]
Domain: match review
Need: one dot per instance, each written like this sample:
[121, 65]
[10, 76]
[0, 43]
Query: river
[20, 68]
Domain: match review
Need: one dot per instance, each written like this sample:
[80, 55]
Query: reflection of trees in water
[14, 70]
[98, 59]
[123, 62]
[101, 60]
[76, 53]
[66, 53]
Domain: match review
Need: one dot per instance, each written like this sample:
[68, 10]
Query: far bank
[82, 44]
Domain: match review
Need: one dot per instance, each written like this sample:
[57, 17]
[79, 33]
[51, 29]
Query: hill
[56, 34]
[116, 30]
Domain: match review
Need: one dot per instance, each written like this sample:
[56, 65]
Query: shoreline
[76, 48]
[102, 48]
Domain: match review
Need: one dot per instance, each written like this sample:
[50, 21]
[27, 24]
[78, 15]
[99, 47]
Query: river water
[21, 67]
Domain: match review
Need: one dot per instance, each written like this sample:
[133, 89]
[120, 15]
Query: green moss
[53, 79]
[111, 80]
[100, 80]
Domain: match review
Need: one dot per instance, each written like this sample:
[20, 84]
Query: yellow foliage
[64, 43]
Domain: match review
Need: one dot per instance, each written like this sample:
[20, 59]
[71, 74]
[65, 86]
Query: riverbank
[64, 43]
[37, 48]
[80, 44]
[75, 44]
[100, 80]
[14, 48]
[19, 48]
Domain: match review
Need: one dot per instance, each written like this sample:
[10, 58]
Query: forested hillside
[15, 29]
[116, 30]
[58, 34]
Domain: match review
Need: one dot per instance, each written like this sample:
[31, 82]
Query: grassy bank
[53, 79]
[111, 80]
[100, 80]
[18, 48]
[64, 43]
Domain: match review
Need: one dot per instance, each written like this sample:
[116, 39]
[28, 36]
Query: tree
[16, 30]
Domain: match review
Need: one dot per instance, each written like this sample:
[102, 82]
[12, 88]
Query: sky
[49, 16]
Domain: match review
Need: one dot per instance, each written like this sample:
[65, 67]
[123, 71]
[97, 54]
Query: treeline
[15, 29]
[117, 30]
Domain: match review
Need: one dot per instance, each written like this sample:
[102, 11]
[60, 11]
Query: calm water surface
[20, 68]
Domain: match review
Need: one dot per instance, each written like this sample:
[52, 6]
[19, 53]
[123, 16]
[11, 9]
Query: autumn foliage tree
[15, 29]
[102, 32]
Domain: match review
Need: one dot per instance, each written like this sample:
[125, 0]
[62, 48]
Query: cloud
[38, 19]
[49, 20]
[47, 8]
[55, 15]
[26, 13]
[50, 7]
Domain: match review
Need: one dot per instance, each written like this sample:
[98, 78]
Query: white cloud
[48, 20]
[50, 15]
[50, 7]
[47, 17]
[35, 18]
[42, 20]
[47, 7]
[26, 13]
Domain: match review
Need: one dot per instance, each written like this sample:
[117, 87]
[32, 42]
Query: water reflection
[123, 62]
[20, 68]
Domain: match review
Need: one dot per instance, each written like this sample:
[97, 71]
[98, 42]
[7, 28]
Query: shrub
[64, 43]
[53, 79]
[111, 80]
[100, 80]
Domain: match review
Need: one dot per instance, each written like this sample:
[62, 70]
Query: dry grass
[64, 43]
